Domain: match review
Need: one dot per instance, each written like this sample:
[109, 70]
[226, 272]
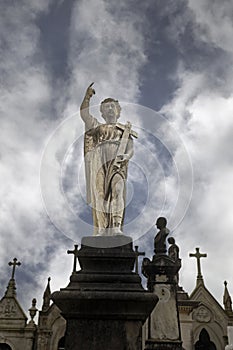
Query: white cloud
[214, 20]
[204, 120]
[106, 47]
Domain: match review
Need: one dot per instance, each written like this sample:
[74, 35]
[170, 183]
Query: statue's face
[160, 223]
[110, 112]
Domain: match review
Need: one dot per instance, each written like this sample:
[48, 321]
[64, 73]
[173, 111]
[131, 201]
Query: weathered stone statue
[173, 253]
[173, 250]
[160, 238]
[107, 149]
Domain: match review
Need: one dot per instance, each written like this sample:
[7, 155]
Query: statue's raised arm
[84, 108]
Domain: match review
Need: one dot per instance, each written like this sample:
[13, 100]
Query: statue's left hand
[125, 157]
[122, 158]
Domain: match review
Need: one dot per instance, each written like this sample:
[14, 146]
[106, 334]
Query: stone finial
[227, 302]
[46, 296]
[32, 311]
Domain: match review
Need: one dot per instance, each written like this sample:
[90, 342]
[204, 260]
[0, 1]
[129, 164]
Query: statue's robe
[101, 144]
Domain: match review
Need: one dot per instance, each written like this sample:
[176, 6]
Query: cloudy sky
[170, 64]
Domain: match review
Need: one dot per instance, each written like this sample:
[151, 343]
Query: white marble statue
[107, 148]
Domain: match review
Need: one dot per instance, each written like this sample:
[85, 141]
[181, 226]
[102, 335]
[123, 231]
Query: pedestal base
[103, 334]
[160, 345]
[105, 304]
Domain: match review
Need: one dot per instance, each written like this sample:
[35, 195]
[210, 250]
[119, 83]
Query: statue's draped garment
[101, 143]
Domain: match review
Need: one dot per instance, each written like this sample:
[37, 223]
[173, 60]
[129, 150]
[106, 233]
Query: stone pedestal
[164, 326]
[104, 303]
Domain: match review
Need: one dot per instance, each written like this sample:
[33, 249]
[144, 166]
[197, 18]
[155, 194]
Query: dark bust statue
[160, 238]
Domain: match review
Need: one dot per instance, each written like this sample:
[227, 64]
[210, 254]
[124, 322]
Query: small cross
[14, 264]
[137, 253]
[75, 252]
[198, 256]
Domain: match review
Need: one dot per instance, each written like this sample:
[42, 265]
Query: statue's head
[161, 223]
[171, 240]
[110, 110]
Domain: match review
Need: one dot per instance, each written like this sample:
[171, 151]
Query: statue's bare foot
[116, 231]
[102, 232]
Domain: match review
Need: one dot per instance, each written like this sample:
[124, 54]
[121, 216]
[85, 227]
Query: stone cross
[14, 263]
[198, 256]
[137, 253]
[75, 252]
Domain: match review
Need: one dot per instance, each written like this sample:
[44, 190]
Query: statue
[108, 148]
[160, 238]
[173, 250]
[173, 253]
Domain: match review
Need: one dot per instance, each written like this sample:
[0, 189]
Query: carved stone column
[164, 326]
[104, 303]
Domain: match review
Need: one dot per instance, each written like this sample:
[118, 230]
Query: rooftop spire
[11, 288]
[46, 296]
[227, 300]
[198, 256]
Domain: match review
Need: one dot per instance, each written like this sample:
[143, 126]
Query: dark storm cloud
[54, 26]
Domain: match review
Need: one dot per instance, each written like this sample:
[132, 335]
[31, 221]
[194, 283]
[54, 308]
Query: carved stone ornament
[202, 315]
[163, 292]
[8, 308]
